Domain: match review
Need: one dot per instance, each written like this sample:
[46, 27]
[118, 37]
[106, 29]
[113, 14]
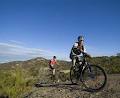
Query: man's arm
[81, 48]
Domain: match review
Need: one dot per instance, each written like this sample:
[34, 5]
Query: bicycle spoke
[94, 77]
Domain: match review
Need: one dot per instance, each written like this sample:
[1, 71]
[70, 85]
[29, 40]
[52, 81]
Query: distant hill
[110, 64]
[35, 62]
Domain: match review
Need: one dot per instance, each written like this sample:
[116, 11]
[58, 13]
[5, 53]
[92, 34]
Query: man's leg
[73, 61]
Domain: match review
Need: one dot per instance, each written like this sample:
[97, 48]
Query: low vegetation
[18, 78]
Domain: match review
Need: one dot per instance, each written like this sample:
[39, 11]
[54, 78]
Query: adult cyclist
[78, 49]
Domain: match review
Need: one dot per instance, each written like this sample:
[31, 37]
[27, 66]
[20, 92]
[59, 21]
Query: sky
[44, 28]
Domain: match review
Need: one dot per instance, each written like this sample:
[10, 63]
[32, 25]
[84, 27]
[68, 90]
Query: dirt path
[66, 90]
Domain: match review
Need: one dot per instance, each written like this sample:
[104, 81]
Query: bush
[13, 82]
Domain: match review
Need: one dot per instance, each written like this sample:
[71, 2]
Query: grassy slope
[24, 74]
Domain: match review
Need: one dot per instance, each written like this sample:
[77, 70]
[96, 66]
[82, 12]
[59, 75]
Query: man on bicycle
[77, 49]
[92, 76]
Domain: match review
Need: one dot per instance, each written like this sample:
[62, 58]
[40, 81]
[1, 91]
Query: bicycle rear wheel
[94, 77]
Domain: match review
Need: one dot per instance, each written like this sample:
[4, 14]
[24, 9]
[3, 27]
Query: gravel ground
[65, 90]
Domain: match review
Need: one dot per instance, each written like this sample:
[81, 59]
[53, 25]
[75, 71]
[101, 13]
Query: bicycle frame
[80, 74]
[83, 64]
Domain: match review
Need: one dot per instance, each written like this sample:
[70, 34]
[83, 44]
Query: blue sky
[32, 28]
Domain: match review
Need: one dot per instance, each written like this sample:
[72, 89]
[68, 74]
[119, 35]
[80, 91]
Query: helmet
[54, 57]
[80, 38]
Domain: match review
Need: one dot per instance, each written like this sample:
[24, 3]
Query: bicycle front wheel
[94, 77]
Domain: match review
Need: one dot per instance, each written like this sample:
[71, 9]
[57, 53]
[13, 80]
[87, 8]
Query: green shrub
[13, 82]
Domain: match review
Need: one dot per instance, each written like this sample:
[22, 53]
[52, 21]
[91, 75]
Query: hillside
[36, 62]
[110, 64]
[18, 79]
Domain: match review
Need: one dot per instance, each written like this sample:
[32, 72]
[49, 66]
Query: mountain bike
[93, 77]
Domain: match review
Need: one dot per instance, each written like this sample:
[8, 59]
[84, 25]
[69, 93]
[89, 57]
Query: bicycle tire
[83, 76]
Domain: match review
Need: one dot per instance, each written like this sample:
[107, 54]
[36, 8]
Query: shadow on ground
[69, 86]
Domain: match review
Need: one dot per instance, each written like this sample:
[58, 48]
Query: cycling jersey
[76, 49]
[53, 62]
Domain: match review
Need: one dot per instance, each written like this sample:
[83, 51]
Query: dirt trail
[66, 90]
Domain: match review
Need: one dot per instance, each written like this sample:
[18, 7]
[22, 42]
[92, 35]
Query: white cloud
[14, 51]
[16, 42]
[18, 52]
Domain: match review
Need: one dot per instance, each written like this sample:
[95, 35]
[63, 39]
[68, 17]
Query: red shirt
[53, 61]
